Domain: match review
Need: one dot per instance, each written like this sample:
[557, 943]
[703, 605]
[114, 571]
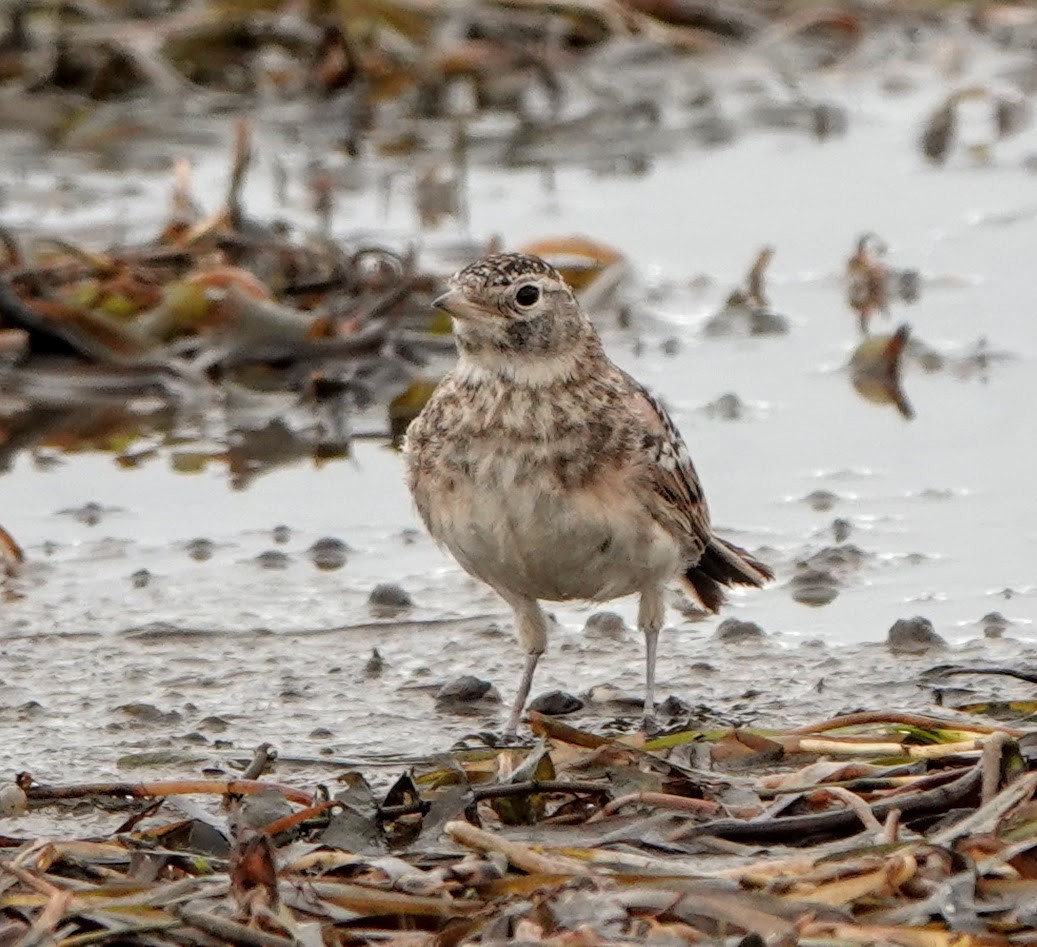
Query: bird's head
[511, 310]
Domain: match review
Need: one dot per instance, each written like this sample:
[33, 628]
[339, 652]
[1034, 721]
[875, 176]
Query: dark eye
[527, 295]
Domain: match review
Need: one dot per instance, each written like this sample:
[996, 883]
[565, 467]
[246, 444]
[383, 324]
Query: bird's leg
[523, 693]
[531, 625]
[650, 615]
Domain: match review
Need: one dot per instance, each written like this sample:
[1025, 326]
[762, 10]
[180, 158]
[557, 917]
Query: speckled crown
[502, 269]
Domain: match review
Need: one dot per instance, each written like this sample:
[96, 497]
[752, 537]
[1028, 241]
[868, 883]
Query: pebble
[814, 587]
[262, 808]
[841, 529]
[13, 801]
[89, 514]
[605, 625]
[994, 625]
[329, 553]
[282, 534]
[728, 407]
[913, 636]
[736, 631]
[845, 558]
[556, 703]
[148, 713]
[140, 579]
[272, 559]
[375, 664]
[388, 598]
[673, 706]
[465, 689]
[200, 549]
[821, 500]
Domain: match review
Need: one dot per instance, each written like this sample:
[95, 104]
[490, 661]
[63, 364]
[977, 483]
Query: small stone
[913, 636]
[821, 500]
[30, 710]
[149, 713]
[321, 733]
[465, 689]
[329, 553]
[673, 706]
[766, 322]
[89, 514]
[841, 529]
[13, 801]
[728, 407]
[375, 664]
[282, 534]
[200, 549]
[272, 559]
[736, 631]
[605, 625]
[195, 737]
[140, 579]
[671, 346]
[389, 598]
[556, 703]
[814, 587]
[845, 558]
[994, 625]
[213, 724]
[262, 808]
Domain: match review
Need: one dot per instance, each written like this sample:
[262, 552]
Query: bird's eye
[527, 295]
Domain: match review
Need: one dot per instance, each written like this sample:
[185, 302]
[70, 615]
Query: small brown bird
[550, 473]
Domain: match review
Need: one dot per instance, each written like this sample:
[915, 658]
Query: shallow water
[940, 507]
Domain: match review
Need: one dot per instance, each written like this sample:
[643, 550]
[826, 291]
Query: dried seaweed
[833, 838]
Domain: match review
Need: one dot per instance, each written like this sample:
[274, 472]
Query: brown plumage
[549, 473]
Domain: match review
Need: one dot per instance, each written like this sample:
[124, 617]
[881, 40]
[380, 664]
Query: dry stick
[26, 877]
[661, 799]
[891, 828]
[927, 751]
[911, 720]
[993, 750]
[798, 827]
[228, 930]
[986, 817]
[523, 857]
[859, 806]
[541, 725]
[108, 934]
[173, 787]
[293, 819]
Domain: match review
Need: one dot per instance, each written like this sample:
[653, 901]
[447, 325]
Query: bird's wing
[678, 503]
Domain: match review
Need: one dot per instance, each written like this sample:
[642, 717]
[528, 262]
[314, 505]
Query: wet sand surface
[125, 636]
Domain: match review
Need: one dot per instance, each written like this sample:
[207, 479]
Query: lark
[551, 474]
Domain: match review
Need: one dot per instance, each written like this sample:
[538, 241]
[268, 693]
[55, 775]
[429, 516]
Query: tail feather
[724, 564]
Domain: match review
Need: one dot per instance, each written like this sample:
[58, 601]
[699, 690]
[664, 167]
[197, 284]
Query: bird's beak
[455, 304]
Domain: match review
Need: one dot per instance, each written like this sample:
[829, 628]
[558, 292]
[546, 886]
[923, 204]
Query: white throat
[539, 371]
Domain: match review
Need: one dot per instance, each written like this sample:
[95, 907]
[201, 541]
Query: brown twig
[173, 787]
[911, 720]
[802, 828]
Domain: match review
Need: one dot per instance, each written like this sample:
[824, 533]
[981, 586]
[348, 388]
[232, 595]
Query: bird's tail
[723, 564]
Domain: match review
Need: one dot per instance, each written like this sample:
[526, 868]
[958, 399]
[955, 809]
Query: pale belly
[541, 542]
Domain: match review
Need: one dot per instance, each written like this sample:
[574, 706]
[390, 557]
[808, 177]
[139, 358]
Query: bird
[551, 474]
